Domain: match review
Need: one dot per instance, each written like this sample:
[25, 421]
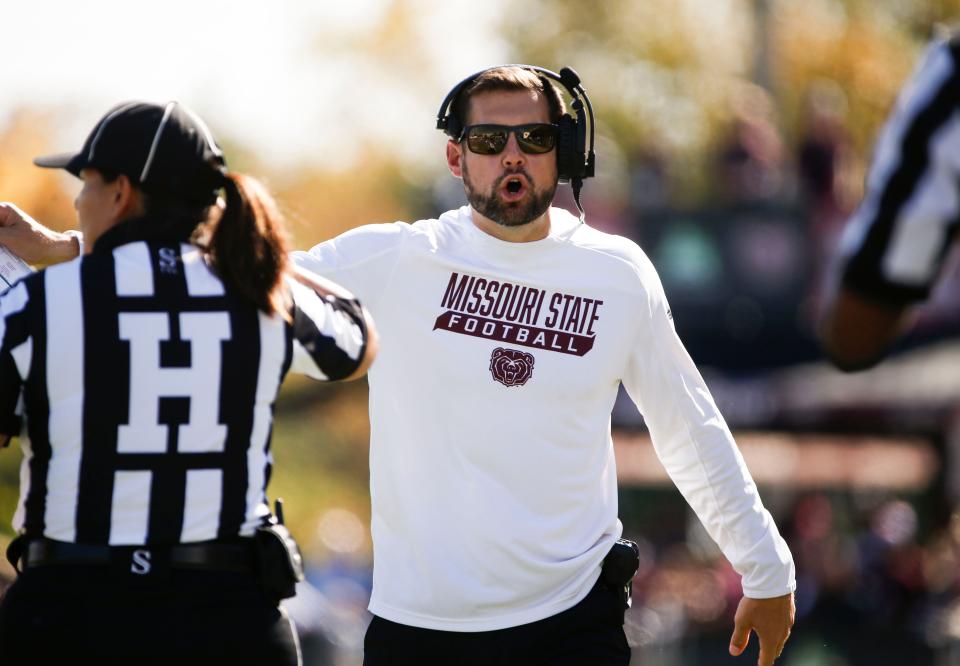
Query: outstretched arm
[324, 287]
[33, 242]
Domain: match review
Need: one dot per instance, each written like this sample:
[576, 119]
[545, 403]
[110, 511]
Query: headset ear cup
[452, 128]
[567, 148]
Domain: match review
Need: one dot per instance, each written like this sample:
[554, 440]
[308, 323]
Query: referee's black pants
[589, 634]
[65, 614]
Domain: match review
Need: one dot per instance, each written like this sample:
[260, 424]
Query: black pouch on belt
[619, 567]
[15, 551]
[279, 562]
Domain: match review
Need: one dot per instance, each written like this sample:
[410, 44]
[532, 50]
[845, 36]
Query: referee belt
[232, 557]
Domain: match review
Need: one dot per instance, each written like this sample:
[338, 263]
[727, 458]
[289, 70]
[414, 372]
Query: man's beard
[512, 214]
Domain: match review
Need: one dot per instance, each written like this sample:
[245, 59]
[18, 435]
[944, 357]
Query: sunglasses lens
[536, 138]
[492, 139]
[486, 140]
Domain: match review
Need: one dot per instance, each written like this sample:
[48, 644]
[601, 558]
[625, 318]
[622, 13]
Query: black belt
[197, 556]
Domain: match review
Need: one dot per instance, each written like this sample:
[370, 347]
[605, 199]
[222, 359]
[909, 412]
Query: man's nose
[512, 156]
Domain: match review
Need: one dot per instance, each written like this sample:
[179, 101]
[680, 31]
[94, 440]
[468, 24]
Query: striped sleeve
[896, 242]
[15, 353]
[329, 334]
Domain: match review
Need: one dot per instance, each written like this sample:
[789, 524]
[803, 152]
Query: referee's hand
[31, 241]
[771, 619]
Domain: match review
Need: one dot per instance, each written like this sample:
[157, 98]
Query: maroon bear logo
[511, 367]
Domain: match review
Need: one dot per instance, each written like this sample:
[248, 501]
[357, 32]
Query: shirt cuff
[73, 233]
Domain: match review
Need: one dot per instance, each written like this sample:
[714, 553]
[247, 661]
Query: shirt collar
[144, 227]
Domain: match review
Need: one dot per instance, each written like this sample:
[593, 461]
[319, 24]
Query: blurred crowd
[878, 583]
[873, 588]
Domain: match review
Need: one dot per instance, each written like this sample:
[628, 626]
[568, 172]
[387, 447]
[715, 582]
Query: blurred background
[733, 137]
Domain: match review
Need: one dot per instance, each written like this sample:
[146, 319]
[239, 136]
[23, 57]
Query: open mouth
[513, 188]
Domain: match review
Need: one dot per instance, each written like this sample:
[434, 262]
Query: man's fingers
[783, 644]
[770, 619]
[770, 649]
[739, 639]
[766, 656]
[9, 214]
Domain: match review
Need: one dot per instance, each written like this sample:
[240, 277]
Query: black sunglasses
[535, 138]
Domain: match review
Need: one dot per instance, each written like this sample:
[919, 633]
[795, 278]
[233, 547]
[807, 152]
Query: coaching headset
[574, 161]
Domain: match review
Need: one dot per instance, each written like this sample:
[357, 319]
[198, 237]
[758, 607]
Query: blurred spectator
[750, 160]
[823, 150]
[823, 160]
[649, 186]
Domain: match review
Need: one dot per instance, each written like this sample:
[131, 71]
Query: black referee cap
[166, 150]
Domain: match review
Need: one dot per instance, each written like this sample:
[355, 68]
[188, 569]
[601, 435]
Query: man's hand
[770, 618]
[33, 242]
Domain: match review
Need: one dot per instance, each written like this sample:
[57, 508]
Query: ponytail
[247, 246]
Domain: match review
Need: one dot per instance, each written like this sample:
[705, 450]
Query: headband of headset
[574, 161]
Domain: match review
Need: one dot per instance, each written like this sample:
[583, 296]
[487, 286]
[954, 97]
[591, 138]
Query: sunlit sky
[288, 79]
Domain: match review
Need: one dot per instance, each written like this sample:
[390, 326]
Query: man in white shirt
[506, 329]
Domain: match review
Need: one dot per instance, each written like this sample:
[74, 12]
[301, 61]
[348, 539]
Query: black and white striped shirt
[896, 242]
[148, 392]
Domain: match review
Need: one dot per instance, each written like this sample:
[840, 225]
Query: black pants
[589, 634]
[96, 615]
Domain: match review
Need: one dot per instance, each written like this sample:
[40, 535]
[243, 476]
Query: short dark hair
[509, 78]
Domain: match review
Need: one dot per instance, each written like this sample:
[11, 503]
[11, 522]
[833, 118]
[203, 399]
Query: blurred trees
[667, 77]
[320, 204]
[40, 192]
[319, 200]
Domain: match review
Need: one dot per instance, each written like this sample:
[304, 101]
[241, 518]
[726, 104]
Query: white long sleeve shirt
[493, 479]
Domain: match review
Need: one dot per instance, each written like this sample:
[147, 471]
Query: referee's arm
[857, 331]
[895, 245]
[32, 241]
[334, 337]
[364, 327]
[12, 334]
[10, 388]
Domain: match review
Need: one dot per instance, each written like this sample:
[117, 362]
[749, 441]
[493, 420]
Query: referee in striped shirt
[897, 241]
[140, 378]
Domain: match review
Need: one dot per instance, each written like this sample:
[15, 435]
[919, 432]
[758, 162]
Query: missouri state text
[519, 315]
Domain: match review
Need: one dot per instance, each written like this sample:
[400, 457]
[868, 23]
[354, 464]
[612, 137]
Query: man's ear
[454, 155]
